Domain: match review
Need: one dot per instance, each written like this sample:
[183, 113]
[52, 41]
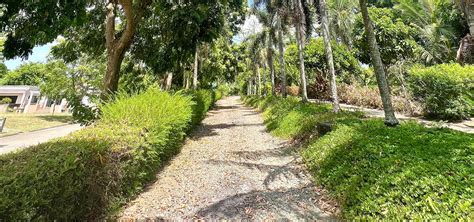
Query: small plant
[6, 100]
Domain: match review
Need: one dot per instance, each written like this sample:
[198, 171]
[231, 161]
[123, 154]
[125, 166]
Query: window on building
[34, 100]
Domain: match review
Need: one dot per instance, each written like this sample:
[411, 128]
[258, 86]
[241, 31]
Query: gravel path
[231, 168]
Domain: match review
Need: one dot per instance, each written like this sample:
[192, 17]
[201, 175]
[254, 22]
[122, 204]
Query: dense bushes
[90, 173]
[377, 172]
[446, 91]
[203, 100]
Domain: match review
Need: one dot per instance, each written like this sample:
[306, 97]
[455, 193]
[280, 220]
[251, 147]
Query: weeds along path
[231, 168]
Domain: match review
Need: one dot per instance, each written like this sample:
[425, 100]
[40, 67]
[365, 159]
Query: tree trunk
[300, 42]
[270, 63]
[259, 83]
[187, 77]
[465, 54]
[264, 80]
[169, 81]
[196, 68]
[390, 118]
[249, 87]
[329, 56]
[255, 87]
[116, 47]
[281, 58]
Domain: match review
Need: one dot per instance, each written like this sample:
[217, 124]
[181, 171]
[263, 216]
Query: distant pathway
[466, 126]
[231, 168]
[24, 140]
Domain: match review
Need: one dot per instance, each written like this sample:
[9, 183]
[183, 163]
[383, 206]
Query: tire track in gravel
[231, 168]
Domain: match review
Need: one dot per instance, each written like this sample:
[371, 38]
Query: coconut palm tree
[298, 11]
[302, 21]
[390, 119]
[329, 56]
[437, 34]
[342, 17]
[267, 38]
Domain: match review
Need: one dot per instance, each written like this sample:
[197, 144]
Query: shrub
[446, 91]
[5, 100]
[90, 173]
[203, 100]
[222, 90]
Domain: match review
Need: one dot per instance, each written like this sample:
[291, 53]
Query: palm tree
[437, 34]
[329, 56]
[342, 17]
[281, 52]
[277, 17]
[390, 119]
[302, 22]
[267, 37]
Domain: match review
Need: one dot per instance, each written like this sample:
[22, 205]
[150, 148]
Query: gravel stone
[232, 168]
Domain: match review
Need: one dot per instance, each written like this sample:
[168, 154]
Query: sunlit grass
[17, 122]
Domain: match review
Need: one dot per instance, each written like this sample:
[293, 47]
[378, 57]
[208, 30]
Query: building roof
[18, 88]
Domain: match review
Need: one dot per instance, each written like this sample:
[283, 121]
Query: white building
[28, 99]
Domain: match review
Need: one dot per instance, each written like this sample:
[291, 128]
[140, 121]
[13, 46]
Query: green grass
[377, 172]
[17, 123]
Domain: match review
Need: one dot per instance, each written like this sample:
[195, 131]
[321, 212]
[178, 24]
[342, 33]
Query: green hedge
[377, 172]
[203, 101]
[91, 173]
[446, 91]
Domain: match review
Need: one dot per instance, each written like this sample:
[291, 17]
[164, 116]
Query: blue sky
[40, 53]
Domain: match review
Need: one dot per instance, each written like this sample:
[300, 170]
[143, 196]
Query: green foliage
[222, 91]
[409, 172]
[446, 91]
[90, 173]
[203, 101]
[27, 74]
[289, 118]
[440, 26]
[346, 65]
[6, 100]
[395, 38]
[376, 172]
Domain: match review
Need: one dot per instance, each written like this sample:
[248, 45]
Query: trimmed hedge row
[91, 173]
[377, 172]
[446, 90]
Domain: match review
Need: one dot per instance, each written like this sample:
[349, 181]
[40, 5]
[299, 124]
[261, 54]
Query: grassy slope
[377, 172]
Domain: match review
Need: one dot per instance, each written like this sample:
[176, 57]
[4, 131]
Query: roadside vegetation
[92, 172]
[151, 69]
[377, 172]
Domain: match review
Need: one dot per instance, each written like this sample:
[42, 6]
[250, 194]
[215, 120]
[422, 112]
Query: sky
[40, 53]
